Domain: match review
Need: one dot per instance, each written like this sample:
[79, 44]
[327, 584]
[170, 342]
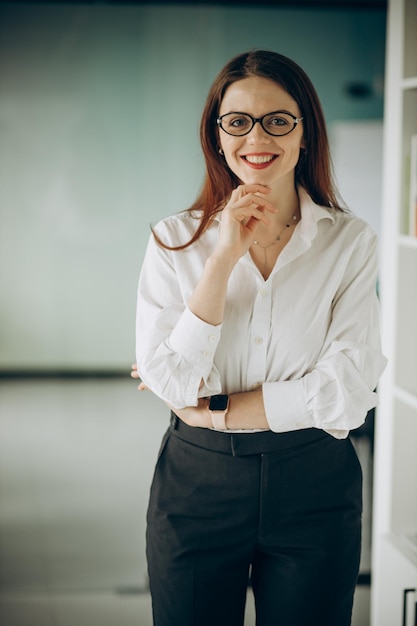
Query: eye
[277, 120]
[237, 121]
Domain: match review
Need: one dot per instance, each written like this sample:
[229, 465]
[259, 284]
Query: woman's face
[259, 157]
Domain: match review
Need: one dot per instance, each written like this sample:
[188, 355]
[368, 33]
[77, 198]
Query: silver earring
[221, 151]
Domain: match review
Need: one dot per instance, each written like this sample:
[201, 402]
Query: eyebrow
[269, 113]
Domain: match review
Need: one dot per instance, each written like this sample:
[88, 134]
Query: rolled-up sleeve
[174, 348]
[338, 391]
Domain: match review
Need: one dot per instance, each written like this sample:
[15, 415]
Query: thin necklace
[278, 237]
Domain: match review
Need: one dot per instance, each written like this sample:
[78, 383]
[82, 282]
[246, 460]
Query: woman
[257, 323]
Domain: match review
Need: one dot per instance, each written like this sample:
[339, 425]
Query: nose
[257, 134]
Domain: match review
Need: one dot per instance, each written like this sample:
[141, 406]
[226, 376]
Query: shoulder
[354, 228]
[332, 225]
[177, 229]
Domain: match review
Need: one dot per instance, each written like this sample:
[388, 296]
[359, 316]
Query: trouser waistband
[241, 444]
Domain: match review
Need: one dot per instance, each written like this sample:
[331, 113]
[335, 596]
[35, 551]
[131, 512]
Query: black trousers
[280, 510]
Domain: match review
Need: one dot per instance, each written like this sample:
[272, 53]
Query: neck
[287, 203]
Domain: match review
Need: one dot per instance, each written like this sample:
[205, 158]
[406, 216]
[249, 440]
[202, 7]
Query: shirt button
[258, 340]
[264, 293]
[207, 353]
[212, 338]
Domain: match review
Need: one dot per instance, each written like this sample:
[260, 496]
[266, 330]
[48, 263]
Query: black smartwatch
[218, 407]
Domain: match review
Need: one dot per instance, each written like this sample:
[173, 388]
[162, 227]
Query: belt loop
[174, 421]
[232, 445]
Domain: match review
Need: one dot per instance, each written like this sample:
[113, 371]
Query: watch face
[218, 403]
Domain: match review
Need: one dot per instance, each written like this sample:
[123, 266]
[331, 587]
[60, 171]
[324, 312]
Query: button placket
[259, 331]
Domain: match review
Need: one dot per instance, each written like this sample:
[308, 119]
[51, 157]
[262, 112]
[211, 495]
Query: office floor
[76, 461]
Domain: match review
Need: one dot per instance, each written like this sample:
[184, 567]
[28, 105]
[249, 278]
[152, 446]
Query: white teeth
[257, 160]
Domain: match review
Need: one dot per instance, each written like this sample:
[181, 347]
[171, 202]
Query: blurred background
[100, 105]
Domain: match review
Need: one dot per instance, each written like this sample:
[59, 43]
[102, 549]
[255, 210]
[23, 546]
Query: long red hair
[314, 168]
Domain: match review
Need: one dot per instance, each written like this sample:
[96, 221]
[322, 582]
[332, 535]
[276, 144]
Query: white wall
[357, 158]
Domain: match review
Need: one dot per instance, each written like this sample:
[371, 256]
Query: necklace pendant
[277, 238]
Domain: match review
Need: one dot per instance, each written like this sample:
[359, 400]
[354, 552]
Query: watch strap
[218, 419]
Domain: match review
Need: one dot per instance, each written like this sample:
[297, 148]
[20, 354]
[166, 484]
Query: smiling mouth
[259, 159]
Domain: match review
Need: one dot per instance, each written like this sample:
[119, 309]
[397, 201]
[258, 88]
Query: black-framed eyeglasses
[277, 123]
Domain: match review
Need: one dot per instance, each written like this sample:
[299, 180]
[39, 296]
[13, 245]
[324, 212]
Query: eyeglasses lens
[239, 124]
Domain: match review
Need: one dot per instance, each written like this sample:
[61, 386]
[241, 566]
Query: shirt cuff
[194, 338]
[285, 406]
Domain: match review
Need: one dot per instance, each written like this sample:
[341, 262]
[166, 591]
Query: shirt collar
[311, 214]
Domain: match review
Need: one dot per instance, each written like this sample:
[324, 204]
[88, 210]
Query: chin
[255, 178]
[259, 180]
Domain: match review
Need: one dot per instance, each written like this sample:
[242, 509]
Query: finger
[253, 215]
[250, 198]
[243, 191]
[262, 204]
[252, 188]
[254, 210]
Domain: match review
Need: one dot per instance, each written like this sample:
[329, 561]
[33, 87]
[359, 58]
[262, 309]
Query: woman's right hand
[135, 374]
[241, 217]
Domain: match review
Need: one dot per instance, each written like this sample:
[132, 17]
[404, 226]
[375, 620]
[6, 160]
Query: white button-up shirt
[308, 335]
